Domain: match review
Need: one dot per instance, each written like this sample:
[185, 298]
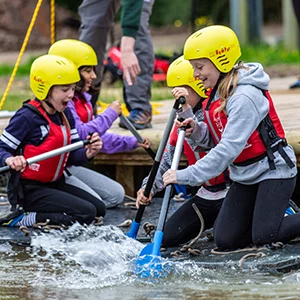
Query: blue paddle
[149, 259]
[132, 233]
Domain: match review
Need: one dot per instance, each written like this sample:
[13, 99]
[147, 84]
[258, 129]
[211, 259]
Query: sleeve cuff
[129, 32]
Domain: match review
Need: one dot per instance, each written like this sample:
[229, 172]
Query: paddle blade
[153, 248]
[149, 260]
[132, 233]
[152, 266]
[149, 266]
[148, 251]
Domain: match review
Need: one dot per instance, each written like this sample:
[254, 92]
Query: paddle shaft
[159, 155]
[136, 223]
[50, 154]
[169, 188]
[153, 249]
[132, 129]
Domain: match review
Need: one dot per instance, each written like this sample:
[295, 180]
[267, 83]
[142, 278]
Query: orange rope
[52, 21]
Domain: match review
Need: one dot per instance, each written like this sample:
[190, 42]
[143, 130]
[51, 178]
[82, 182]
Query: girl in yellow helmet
[41, 125]
[185, 224]
[84, 57]
[240, 119]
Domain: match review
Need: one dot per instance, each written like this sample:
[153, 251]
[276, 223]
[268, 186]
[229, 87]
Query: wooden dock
[130, 168]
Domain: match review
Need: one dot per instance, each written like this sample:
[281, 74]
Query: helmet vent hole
[40, 88]
[223, 60]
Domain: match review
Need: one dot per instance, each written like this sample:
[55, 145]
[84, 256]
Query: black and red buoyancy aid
[258, 146]
[193, 156]
[50, 169]
[83, 109]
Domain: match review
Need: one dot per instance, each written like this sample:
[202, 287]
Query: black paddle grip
[87, 142]
[151, 152]
[180, 101]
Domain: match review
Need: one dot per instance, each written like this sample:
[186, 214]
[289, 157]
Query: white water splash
[92, 258]
[84, 257]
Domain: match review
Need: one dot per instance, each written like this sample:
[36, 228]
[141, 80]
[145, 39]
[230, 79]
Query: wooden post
[125, 176]
[290, 26]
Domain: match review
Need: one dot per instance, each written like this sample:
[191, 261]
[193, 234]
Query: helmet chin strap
[49, 104]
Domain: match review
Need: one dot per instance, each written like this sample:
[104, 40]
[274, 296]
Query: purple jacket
[112, 143]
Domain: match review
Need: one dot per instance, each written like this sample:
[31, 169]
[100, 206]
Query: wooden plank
[125, 176]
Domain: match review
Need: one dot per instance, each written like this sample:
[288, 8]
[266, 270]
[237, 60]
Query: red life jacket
[259, 143]
[83, 109]
[192, 157]
[50, 169]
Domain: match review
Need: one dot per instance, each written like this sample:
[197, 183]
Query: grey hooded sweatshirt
[246, 108]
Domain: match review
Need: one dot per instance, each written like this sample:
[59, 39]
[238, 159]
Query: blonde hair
[228, 84]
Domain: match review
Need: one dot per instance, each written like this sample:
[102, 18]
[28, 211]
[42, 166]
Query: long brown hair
[228, 84]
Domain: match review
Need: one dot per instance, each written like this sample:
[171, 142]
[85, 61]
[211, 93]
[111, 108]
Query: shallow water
[99, 263]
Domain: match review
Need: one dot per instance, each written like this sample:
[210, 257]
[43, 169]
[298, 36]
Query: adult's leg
[185, 225]
[296, 4]
[232, 228]
[111, 192]
[138, 95]
[269, 223]
[97, 18]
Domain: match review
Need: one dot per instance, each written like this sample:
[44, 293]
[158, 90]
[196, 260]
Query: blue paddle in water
[132, 233]
[149, 260]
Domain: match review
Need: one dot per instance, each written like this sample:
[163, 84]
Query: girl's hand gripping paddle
[136, 223]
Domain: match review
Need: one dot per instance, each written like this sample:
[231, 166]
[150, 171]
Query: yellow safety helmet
[80, 53]
[180, 72]
[48, 70]
[217, 43]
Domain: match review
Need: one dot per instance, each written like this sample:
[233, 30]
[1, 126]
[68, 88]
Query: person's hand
[178, 92]
[95, 146]
[169, 177]
[129, 61]
[141, 199]
[145, 144]
[116, 106]
[189, 123]
[17, 163]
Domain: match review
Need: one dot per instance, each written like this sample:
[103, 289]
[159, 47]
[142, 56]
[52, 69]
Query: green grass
[269, 55]
[20, 92]
[265, 54]
[23, 70]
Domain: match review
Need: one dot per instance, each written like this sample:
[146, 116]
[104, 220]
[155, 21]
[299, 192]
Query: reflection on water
[98, 263]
